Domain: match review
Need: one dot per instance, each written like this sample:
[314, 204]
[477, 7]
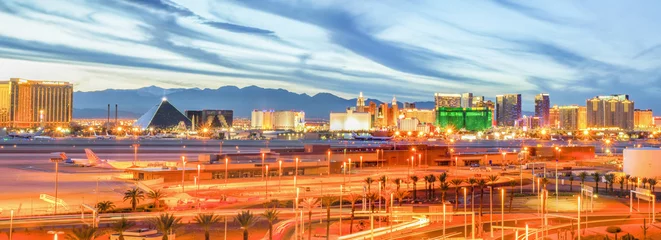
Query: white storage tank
[642, 162]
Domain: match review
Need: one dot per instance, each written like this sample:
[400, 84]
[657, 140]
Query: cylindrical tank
[642, 162]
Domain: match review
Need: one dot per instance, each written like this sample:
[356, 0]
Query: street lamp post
[329, 162]
[556, 186]
[183, 172]
[279, 175]
[491, 207]
[11, 223]
[57, 163]
[465, 219]
[226, 163]
[341, 200]
[361, 163]
[502, 213]
[135, 153]
[263, 166]
[267, 183]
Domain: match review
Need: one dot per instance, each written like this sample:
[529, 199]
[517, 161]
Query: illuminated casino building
[163, 116]
[277, 120]
[350, 121]
[28, 103]
[211, 118]
[471, 119]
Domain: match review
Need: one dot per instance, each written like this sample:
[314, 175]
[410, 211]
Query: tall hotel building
[643, 118]
[542, 107]
[27, 103]
[508, 109]
[614, 111]
[447, 100]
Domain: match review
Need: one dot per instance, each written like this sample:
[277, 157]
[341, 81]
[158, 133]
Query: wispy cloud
[571, 50]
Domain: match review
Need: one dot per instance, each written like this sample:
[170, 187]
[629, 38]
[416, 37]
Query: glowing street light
[183, 172]
[226, 163]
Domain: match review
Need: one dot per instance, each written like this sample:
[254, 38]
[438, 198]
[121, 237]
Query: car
[475, 164]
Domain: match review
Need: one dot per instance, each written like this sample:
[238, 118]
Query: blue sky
[570, 49]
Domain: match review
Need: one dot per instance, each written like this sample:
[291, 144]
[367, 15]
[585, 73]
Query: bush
[628, 236]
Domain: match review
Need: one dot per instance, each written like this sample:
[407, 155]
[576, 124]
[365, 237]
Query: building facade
[423, 115]
[360, 103]
[466, 100]
[542, 107]
[408, 124]
[350, 121]
[28, 103]
[508, 109]
[554, 117]
[471, 119]
[211, 118]
[569, 117]
[614, 111]
[447, 100]
[643, 118]
[277, 120]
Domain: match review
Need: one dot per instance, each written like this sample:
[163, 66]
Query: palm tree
[83, 233]
[652, 182]
[644, 181]
[414, 180]
[372, 197]
[206, 221]
[105, 206]
[621, 181]
[545, 182]
[166, 223]
[492, 179]
[583, 176]
[385, 194]
[481, 184]
[398, 182]
[432, 179]
[400, 194]
[271, 215]
[246, 219]
[571, 181]
[369, 182]
[512, 185]
[156, 196]
[444, 187]
[135, 195]
[121, 225]
[443, 177]
[426, 180]
[610, 179]
[472, 182]
[383, 179]
[310, 204]
[353, 198]
[456, 182]
[596, 176]
[328, 200]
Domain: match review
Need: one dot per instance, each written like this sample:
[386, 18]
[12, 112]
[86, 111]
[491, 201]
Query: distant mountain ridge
[134, 102]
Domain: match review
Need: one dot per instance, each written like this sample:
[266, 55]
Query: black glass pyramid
[163, 116]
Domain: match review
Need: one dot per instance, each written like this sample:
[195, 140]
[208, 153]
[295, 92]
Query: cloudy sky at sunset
[570, 49]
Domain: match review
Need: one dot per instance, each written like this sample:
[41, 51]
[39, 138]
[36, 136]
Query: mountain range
[134, 102]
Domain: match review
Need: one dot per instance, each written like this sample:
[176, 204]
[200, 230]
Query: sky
[572, 50]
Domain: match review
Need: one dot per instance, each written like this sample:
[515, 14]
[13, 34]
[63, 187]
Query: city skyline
[573, 51]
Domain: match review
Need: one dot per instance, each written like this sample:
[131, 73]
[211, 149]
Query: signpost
[646, 195]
